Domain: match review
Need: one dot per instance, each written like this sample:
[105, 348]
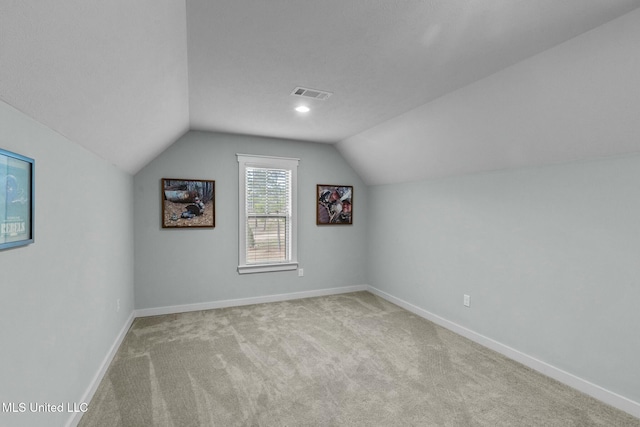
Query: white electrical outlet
[467, 301]
[300, 272]
[118, 305]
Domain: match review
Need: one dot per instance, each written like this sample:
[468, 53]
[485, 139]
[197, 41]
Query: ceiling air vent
[311, 93]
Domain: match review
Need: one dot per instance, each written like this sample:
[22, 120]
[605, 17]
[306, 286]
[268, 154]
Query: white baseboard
[97, 378]
[617, 401]
[144, 312]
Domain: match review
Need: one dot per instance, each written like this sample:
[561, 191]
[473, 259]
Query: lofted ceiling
[125, 79]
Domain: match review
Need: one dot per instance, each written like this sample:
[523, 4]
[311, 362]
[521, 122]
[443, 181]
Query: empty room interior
[459, 241]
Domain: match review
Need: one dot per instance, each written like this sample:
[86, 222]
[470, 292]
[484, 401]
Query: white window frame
[267, 162]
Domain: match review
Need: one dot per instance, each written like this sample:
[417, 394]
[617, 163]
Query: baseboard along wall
[586, 387]
[102, 370]
[144, 312]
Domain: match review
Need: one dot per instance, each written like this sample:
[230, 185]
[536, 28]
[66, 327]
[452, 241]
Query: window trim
[267, 162]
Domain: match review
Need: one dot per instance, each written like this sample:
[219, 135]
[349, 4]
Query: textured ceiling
[125, 79]
[111, 76]
[380, 58]
[577, 101]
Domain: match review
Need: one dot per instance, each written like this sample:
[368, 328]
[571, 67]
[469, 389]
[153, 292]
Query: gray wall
[178, 266]
[550, 257]
[58, 305]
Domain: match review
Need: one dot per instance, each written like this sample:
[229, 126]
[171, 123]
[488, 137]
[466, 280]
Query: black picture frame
[188, 203]
[17, 200]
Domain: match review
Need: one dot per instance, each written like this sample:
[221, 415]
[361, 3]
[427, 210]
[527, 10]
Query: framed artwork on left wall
[188, 203]
[16, 200]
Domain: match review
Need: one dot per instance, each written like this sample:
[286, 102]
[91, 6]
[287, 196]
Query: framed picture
[188, 203]
[334, 204]
[16, 199]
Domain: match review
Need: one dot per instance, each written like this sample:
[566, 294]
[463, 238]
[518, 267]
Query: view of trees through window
[268, 207]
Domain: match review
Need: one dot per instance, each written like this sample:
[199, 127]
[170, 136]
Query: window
[267, 237]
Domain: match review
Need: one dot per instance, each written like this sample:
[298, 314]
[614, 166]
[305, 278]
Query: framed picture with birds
[188, 203]
[334, 204]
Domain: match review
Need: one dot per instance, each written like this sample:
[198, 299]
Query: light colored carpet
[343, 360]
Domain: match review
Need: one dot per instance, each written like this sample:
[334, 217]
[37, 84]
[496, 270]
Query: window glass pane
[267, 214]
[267, 239]
[268, 210]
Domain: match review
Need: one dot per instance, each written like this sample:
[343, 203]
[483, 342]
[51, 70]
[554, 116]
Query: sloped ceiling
[125, 79]
[110, 75]
[577, 101]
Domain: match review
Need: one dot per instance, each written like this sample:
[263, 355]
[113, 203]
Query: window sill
[267, 268]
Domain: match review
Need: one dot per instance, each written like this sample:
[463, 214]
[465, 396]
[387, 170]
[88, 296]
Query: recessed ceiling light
[302, 109]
